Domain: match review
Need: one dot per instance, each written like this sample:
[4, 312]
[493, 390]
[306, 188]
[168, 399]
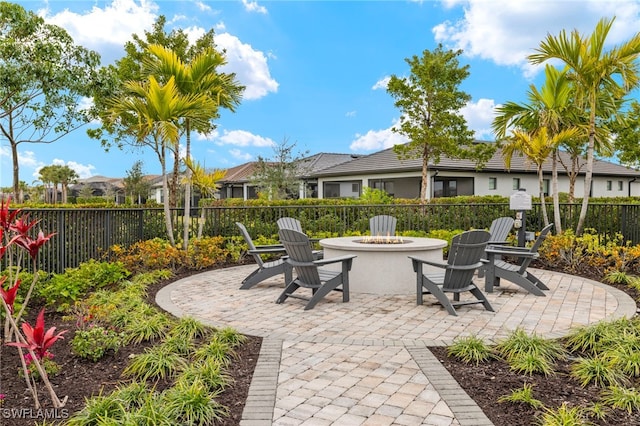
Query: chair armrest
[498, 243]
[270, 250]
[465, 267]
[269, 246]
[321, 262]
[515, 253]
[428, 262]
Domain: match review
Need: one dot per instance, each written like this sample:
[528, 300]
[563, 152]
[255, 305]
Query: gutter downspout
[629, 186]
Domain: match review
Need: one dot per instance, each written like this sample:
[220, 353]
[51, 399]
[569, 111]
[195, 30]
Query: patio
[366, 361]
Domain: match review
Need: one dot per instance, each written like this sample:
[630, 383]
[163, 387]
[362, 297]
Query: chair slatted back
[289, 223]
[501, 228]
[382, 225]
[464, 257]
[299, 250]
[535, 247]
[250, 244]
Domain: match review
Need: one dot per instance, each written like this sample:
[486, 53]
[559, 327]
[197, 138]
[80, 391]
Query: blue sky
[315, 71]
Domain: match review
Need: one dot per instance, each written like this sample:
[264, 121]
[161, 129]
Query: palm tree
[537, 146]
[158, 109]
[200, 76]
[206, 182]
[550, 107]
[602, 78]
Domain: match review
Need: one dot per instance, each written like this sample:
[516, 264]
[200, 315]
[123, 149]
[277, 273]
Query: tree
[199, 76]
[135, 185]
[66, 176]
[134, 67]
[206, 182]
[553, 109]
[627, 131]
[601, 78]
[43, 75]
[537, 146]
[430, 101]
[152, 111]
[279, 177]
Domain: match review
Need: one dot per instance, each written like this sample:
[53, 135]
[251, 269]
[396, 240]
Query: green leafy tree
[43, 76]
[199, 76]
[627, 131]
[135, 185]
[602, 78]
[553, 109]
[152, 110]
[430, 101]
[279, 177]
[66, 176]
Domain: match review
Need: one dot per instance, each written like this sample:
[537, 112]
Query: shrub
[523, 395]
[470, 349]
[95, 342]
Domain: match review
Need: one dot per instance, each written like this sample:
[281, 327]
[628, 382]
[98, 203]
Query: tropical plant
[155, 363]
[193, 404]
[37, 339]
[470, 349]
[598, 370]
[601, 78]
[564, 415]
[518, 343]
[523, 395]
[622, 398]
[95, 342]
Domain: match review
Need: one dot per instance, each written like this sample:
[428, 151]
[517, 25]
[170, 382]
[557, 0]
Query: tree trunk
[16, 174]
[543, 206]
[589, 170]
[424, 185]
[173, 186]
[187, 191]
[556, 197]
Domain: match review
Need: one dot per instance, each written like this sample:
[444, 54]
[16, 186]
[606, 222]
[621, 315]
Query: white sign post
[520, 202]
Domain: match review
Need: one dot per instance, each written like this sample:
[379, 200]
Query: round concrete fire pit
[383, 267]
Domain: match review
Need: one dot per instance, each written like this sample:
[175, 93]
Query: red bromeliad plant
[14, 232]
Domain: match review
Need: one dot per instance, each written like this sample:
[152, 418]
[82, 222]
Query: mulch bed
[80, 379]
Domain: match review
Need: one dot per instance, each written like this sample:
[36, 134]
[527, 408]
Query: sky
[316, 71]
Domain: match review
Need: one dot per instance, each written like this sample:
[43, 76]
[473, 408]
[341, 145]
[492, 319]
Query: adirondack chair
[293, 223]
[309, 273]
[463, 259]
[265, 269]
[500, 229]
[497, 268]
[382, 225]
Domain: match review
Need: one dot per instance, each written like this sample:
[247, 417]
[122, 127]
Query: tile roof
[387, 161]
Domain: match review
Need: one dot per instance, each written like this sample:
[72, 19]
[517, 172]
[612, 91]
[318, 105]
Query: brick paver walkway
[366, 362]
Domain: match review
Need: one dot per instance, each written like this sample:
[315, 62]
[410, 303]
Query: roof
[387, 161]
[311, 165]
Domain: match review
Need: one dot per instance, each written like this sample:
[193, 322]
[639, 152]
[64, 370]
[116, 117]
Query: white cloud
[253, 6]
[240, 155]
[106, 29]
[28, 159]
[507, 31]
[84, 171]
[250, 66]
[351, 113]
[382, 83]
[203, 7]
[242, 138]
[375, 140]
[479, 116]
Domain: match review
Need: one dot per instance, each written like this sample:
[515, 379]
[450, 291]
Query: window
[609, 185]
[355, 187]
[620, 185]
[545, 187]
[516, 184]
[493, 183]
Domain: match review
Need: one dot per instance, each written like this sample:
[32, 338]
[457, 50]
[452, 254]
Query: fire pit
[383, 267]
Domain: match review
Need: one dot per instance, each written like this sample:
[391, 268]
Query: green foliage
[193, 404]
[97, 409]
[209, 371]
[470, 349]
[189, 328]
[278, 178]
[375, 196]
[622, 398]
[216, 349]
[95, 342]
[564, 415]
[147, 328]
[155, 363]
[230, 336]
[518, 344]
[599, 370]
[523, 395]
[63, 290]
[530, 363]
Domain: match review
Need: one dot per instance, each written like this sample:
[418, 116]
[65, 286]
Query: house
[238, 181]
[451, 177]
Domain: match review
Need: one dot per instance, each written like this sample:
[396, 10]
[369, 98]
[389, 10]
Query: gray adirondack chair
[309, 273]
[293, 223]
[500, 229]
[463, 260]
[497, 268]
[382, 225]
[266, 269]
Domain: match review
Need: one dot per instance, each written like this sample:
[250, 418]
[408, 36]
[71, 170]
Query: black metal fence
[84, 234]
